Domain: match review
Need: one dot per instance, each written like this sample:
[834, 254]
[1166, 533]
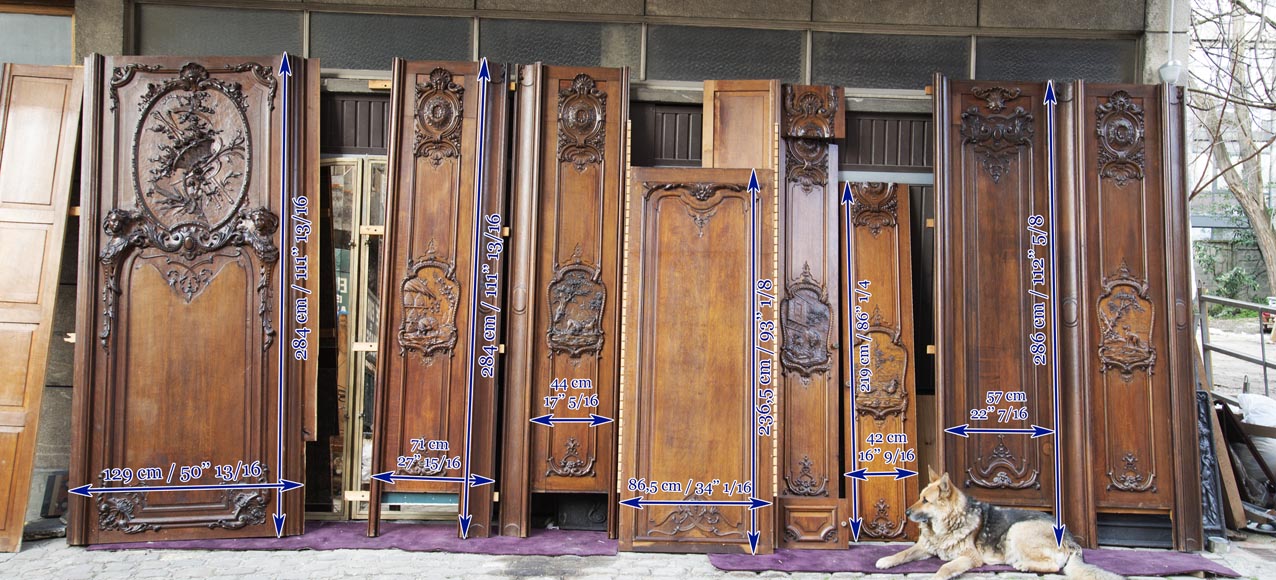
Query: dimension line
[848, 200]
[593, 420]
[474, 479]
[285, 73]
[752, 503]
[965, 430]
[1050, 103]
[88, 490]
[755, 312]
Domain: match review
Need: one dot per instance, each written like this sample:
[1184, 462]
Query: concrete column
[1156, 38]
[103, 26]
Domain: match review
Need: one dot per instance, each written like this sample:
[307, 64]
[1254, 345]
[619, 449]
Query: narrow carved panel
[182, 184]
[878, 363]
[991, 180]
[565, 306]
[668, 420]
[435, 409]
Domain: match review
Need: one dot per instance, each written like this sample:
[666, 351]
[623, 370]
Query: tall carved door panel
[194, 349]
[439, 327]
[879, 306]
[809, 502]
[991, 171]
[689, 391]
[39, 117]
[564, 314]
[1132, 304]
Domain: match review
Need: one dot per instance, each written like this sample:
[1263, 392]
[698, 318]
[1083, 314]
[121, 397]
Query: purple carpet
[863, 558]
[408, 537]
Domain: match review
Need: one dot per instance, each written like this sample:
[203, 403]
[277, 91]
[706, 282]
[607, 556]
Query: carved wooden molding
[810, 111]
[882, 526]
[577, 297]
[582, 123]
[996, 138]
[430, 295]
[1126, 316]
[1129, 478]
[123, 512]
[1002, 469]
[705, 518]
[875, 206]
[698, 197]
[571, 464]
[806, 163]
[806, 326]
[440, 105]
[1120, 131]
[806, 483]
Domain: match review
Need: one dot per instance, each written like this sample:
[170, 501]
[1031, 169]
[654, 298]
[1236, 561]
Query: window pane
[371, 41]
[685, 53]
[35, 39]
[560, 43]
[1039, 59]
[196, 31]
[880, 61]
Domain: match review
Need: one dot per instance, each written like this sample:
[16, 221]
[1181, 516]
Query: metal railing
[1202, 302]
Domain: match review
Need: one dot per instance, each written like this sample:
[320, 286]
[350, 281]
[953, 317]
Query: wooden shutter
[1131, 309]
[688, 390]
[810, 473]
[439, 245]
[183, 329]
[39, 116]
[564, 313]
[991, 171]
[886, 406]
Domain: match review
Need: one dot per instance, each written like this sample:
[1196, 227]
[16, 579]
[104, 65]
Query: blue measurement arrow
[475, 479]
[965, 430]
[754, 314]
[863, 473]
[1050, 102]
[848, 202]
[592, 419]
[285, 73]
[88, 490]
[480, 175]
[752, 503]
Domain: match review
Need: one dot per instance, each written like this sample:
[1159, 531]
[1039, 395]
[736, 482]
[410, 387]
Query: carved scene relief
[430, 295]
[806, 323]
[576, 301]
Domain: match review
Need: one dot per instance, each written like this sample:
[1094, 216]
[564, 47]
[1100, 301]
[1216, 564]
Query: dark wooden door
[39, 117]
[195, 348]
[810, 487]
[564, 310]
[1131, 309]
[878, 306]
[991, 171]
[689, 388]
[441, 287]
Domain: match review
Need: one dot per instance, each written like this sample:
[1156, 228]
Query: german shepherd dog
[969, 533]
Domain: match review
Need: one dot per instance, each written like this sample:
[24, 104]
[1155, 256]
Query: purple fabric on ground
[862, 559]
[408, 537]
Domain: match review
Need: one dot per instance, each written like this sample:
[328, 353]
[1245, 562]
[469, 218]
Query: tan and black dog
[969, 533]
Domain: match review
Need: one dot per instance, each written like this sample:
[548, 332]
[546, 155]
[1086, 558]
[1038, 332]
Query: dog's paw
[884, 563]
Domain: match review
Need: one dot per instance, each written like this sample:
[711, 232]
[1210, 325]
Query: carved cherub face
[115, 222]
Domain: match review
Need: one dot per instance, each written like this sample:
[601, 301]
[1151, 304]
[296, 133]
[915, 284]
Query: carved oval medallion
[582, 122]
[438, 117]
[192, 151]
[1119, 127]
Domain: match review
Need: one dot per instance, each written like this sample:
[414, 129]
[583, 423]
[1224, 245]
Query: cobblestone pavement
[54, 559]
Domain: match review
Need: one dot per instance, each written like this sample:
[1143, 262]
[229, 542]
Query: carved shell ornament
[996, 138]
[810, 112]
[806, 163]
[1120, 131]
[875, 206]
[582, 123]
[438, 117]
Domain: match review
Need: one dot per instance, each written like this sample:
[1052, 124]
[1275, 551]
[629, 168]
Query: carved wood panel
[565, 309]
[741, 119]
[810, 472]
[688, 389]
[182, 235]
[991, 172]
[442, 286]
[39, 115]
[1132, 299]
[887, 405]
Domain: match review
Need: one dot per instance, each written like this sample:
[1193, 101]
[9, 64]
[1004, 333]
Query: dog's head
[936, 501]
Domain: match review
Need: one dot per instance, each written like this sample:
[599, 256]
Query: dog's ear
[931, 475]
[945, 486]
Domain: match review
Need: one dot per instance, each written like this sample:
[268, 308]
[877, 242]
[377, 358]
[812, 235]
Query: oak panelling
[567, 284]
[424, 347]
[688, 391]
[740, 121]
[810, 487]
[881, 242]
[991, 172]
[1132, 303]
[182, 330]
[39, 118]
